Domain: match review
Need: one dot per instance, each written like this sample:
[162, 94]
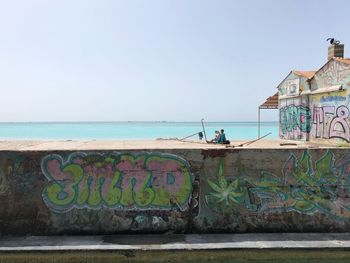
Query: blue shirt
[221, 138]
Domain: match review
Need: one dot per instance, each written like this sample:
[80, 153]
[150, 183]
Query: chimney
[336, 50]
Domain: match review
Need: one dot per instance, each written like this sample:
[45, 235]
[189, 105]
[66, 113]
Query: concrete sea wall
[192, 191]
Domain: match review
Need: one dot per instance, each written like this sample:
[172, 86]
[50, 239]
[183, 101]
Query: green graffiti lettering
[116, 181]
[113, 193]
[305, 186]
[293, 117]
[63, 192]
[146, 195]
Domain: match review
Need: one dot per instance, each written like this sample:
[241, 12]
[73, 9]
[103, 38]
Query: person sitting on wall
[222, 138]
[217, 135]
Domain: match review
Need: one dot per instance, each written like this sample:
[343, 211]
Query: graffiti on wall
[305, 186]
[327, 122]
[292, 86]
[294, 117]
[333, 73]
[223, 190]
[335, 98]
[116, 181]
[330, 122]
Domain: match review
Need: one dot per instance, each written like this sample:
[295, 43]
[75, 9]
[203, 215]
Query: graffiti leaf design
[305, 186]
[325, 169]
[224, 191]
[214, 186]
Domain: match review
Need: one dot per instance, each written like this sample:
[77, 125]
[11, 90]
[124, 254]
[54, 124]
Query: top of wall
[93, 145]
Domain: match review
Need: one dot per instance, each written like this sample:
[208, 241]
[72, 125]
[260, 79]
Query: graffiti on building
[332, 73]
[292, 86]
[294, 117]
[304, 186]
[332, 99]
[116, 181]
[329, 122]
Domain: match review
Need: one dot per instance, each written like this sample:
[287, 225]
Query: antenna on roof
[333, 41]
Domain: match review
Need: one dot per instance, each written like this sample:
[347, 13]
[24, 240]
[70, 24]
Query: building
[314, 105]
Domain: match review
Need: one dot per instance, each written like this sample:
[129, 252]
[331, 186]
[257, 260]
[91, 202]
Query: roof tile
[271, 102]
[305, 74]
[343, 60]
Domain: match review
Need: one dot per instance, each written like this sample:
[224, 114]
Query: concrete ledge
[83, 145]
[238, 248]
[176, 242]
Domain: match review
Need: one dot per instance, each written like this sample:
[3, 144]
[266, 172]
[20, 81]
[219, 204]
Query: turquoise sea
[131, 130]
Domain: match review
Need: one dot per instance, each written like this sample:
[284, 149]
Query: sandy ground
[48, 145]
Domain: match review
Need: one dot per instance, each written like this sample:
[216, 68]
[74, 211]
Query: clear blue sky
[177, 60]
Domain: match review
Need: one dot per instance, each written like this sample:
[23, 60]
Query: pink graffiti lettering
[322, 117]
[339, 127]
[120, 181]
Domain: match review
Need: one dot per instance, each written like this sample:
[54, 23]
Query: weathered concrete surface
[311, 247]
[82, 145]
[177, 242]
[173, 190]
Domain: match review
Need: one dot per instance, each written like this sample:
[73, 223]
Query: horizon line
[131, 121]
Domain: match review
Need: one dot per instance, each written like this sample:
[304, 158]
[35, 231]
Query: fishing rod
[189, 136]
[250, 142]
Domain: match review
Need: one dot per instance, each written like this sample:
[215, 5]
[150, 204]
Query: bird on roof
[333, 41]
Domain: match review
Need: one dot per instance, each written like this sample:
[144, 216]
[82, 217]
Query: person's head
[222, 131]
[217, 132]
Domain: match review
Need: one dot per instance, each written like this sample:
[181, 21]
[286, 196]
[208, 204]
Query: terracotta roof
[305, 74]
[343, 60]
[270, 103]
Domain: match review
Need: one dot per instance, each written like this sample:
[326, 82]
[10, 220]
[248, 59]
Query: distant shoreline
[81, 122]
